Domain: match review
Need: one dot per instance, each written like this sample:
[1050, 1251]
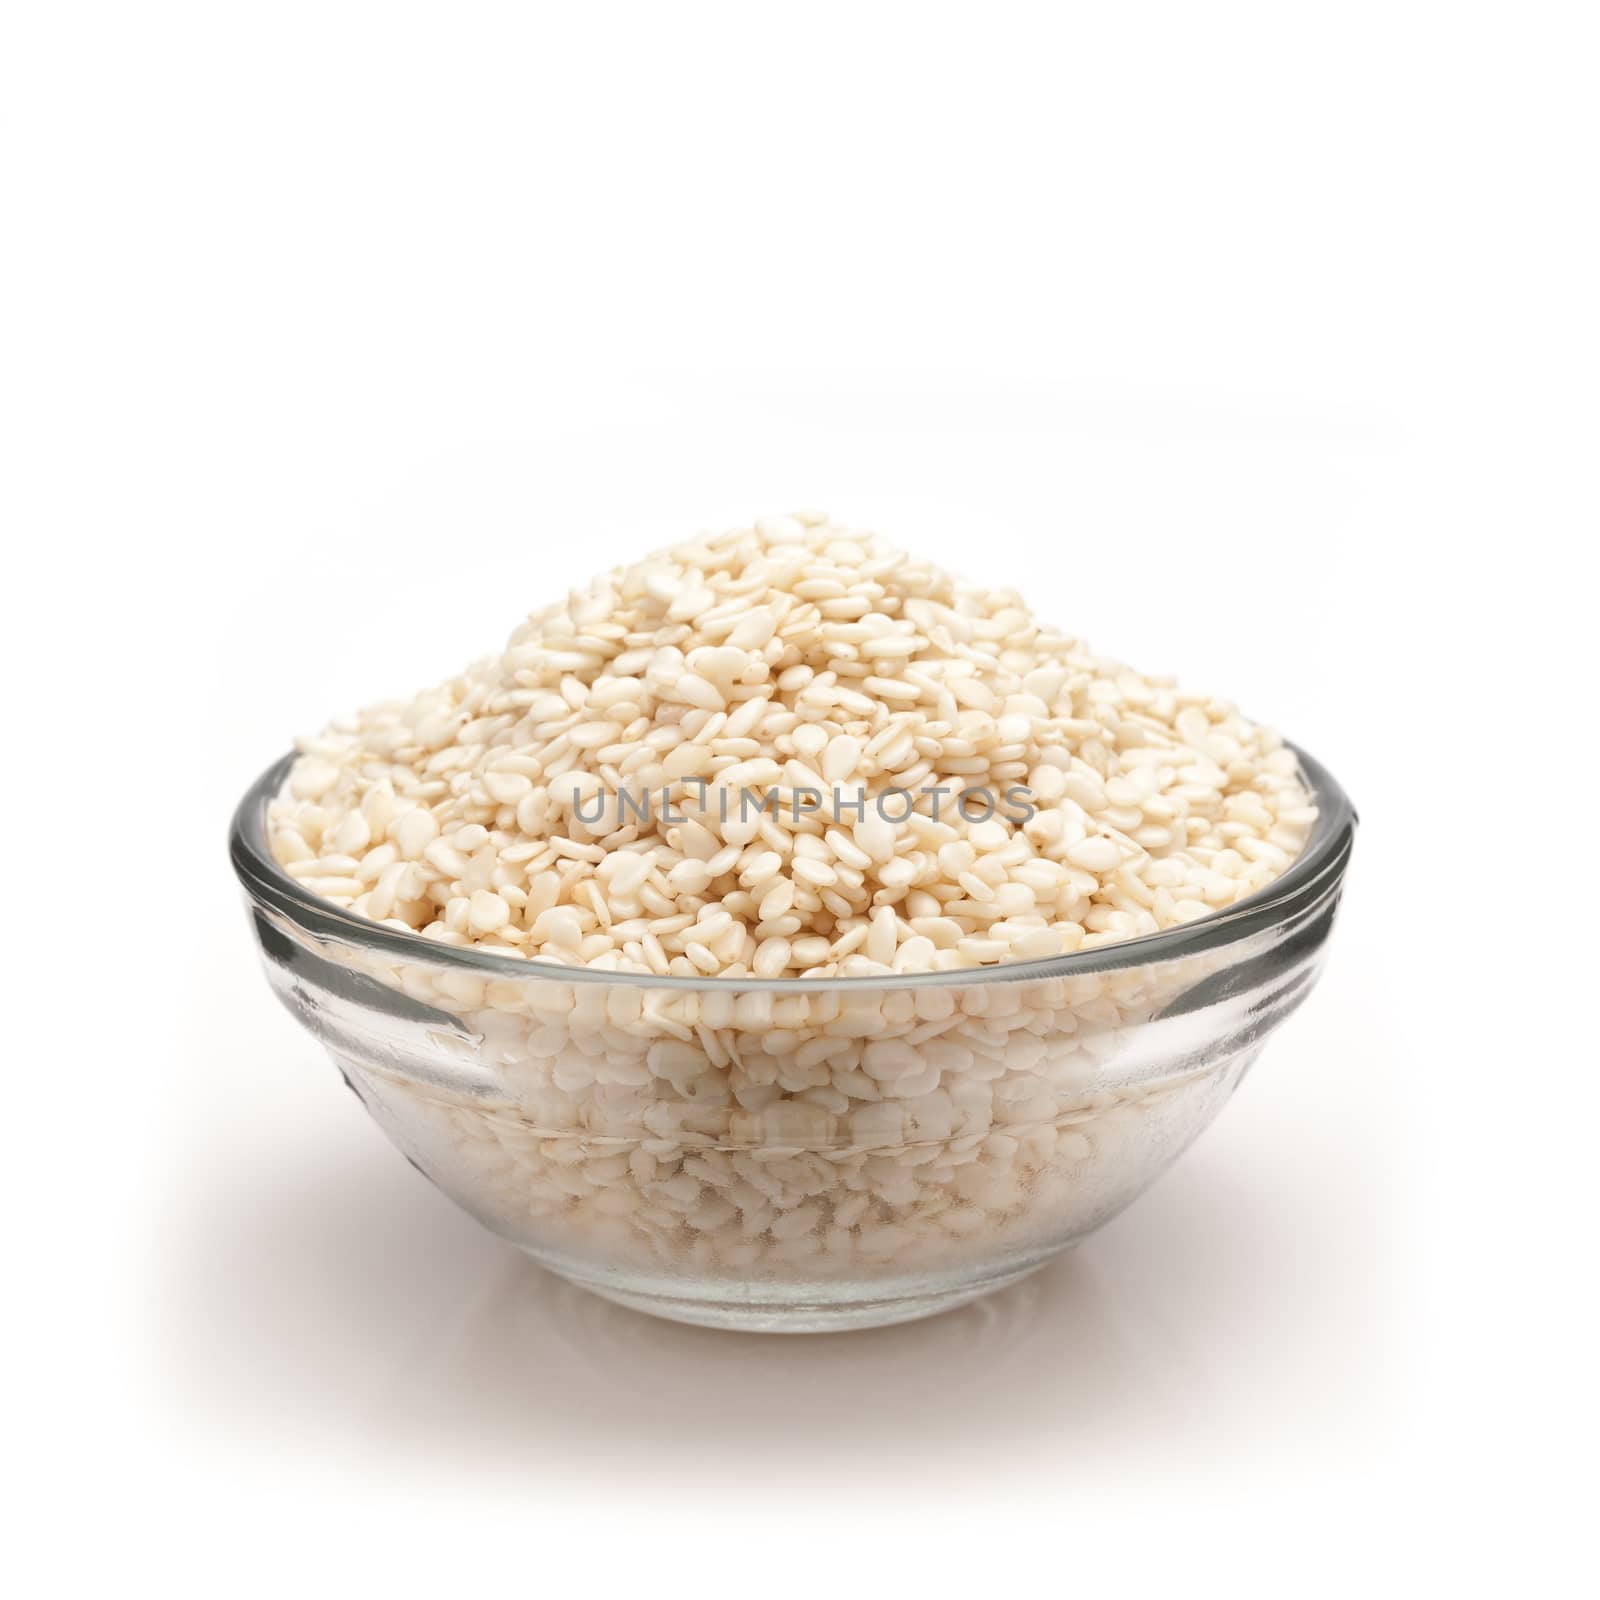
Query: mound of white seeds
[939, 783]
[790, 751]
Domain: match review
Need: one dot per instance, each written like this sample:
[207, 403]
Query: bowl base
[797, 1308]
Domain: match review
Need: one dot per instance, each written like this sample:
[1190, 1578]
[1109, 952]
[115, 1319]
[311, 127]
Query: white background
[1256, 343]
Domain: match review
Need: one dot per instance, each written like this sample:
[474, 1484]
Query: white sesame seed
[875, 835]
[1099, 855]
[488, 912]
[771, 959]
[840, 759]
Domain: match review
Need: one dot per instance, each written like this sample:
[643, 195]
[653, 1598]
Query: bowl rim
[1317, 870]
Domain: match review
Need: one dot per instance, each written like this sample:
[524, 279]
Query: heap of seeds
[790, 751]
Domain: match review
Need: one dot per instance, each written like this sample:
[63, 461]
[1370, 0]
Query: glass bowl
[796, 1155]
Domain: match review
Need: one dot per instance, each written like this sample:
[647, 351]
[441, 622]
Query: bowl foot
[756, 1307]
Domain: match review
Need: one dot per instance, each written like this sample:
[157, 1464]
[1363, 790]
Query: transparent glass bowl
[793, 1155]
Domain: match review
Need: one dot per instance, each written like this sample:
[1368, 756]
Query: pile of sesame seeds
[790, 751]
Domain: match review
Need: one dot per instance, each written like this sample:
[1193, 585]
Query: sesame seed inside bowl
[790, 751]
